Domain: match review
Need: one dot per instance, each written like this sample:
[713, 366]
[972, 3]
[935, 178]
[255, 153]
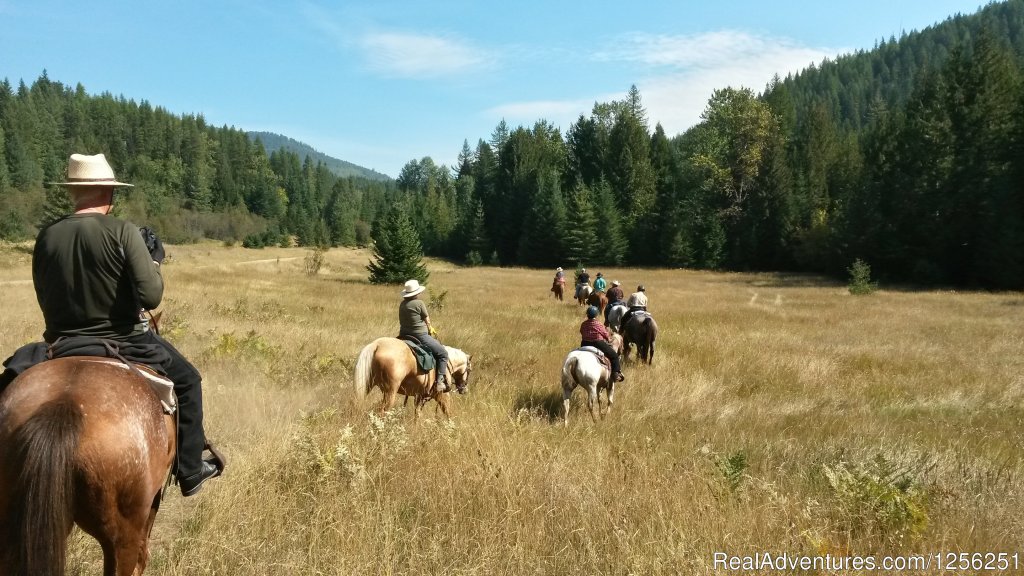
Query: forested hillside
[909, 156]
[272, 141]
[191, 180]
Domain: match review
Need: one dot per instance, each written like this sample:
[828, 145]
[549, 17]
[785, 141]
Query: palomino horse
[641, 330]
[82, 441]
[582, 293]
[615, 314]
[388, 364]
[582, 368]
[598, 299]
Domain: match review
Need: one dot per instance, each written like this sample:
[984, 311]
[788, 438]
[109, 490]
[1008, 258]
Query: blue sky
[382, 82]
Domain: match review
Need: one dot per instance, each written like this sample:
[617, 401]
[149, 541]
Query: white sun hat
[85, 170]
[412, 288]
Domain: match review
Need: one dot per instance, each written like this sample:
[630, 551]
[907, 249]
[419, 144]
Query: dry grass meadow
[781, 415]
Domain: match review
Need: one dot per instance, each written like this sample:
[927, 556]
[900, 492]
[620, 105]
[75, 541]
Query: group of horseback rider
[596, 334]
[95, 274]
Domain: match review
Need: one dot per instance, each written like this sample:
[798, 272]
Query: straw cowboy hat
[412, 288]
[559, 269]
[84, 170]
[616, 282]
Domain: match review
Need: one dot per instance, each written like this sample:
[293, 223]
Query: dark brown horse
[82, 441]
[598, 299]
[388, 364]
[641, 330]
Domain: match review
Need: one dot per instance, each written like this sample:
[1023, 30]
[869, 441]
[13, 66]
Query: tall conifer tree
[397, 253]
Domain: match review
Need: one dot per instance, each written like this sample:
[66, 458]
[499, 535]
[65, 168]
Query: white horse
[615, 315]
[582, 293]
[582, 368]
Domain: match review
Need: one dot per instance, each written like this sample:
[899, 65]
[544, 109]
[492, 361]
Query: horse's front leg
[611, 395]
[442, 402]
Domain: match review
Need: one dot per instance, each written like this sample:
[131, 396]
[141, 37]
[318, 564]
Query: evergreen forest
[908, 156]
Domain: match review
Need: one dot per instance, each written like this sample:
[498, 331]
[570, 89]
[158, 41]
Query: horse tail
[44, 451]
[364, 370]
[569, 374]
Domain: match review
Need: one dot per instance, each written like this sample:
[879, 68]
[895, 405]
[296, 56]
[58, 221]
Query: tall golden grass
[781, 415]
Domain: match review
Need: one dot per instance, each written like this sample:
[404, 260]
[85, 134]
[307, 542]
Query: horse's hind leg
[126, 553]
[147, 531]
[389, 400]
[593, 402]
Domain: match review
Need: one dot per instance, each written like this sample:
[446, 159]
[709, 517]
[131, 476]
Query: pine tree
[58, 205]
[580, 243]
[611, 241]
[478, 240]
[397, 253]
[540, 243]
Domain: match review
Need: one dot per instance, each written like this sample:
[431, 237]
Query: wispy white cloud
[398, 54]
[422, 55]
[681, 72]
[560, 112]
[676, 75]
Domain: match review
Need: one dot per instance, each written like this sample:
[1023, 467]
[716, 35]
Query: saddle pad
[163, 387]
[424, 359]
[604, 360]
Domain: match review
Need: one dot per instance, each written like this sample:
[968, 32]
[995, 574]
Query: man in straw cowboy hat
[414, 321]
[93, 274]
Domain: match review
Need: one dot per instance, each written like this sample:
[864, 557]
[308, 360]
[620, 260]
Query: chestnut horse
[82, 441]
[582, 368]
[558, 289]
[389, 364]
[598, 299]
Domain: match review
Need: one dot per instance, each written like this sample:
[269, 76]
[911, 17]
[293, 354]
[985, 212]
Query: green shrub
[314, 261]
[860, 278]
[733, 468]
[437, 299]
[473, 258]
[879, 498]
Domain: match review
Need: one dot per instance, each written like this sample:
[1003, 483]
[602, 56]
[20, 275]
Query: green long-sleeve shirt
[93, 274]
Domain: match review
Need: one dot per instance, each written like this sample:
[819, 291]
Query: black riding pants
[629, 314]
[188, 388]
[606, 347]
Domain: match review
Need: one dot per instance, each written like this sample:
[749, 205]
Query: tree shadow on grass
[539, 404]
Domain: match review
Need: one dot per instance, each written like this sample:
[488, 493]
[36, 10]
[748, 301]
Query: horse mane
[457, 356]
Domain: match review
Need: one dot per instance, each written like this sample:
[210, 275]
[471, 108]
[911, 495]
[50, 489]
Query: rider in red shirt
[595, 334]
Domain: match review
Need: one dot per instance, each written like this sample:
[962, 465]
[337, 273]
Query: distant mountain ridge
[272, 142]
